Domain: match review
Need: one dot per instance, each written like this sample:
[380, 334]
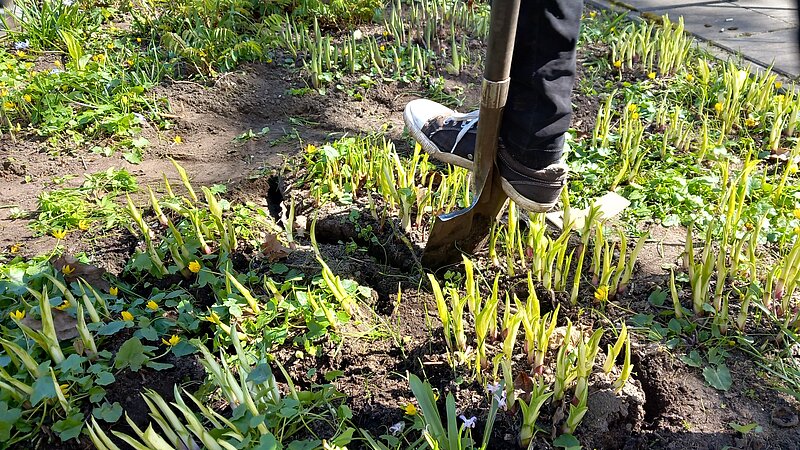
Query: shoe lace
[471, 119]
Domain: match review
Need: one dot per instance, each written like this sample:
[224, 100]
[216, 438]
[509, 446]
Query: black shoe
[446, 135]
[534, 190]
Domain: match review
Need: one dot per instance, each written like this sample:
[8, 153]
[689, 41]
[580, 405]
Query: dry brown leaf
[91, 274]
[273, 249]
[66, 326]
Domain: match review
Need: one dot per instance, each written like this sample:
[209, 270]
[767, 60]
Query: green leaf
[96, 393]
[111, 328]
[333, 374]
[260, 374]
[693, 359]
[72, 363]
[134, 156]
[155, 365]
[105, 378]
[744, 429]
[131, 354]
[718, 377]
[183, 348]
[567, 441]
[424, 394]
[268, 442]
[43, 388]
[108, 412]
[8, 417]
[657, 297]
[149, 333]
[70, 427]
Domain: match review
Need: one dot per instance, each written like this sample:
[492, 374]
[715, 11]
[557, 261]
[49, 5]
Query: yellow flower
[9, 105]
[778, 85]
[18, 314]
[177, 140]
[601, 294]
[3, 92]
[14, 248]
[126, 316]
[194, 266]
[21, 54]
[173, 341]
[124, 99]
[718, 107]
[152, 306]
[383, 48]
[57, 63]
[689, 77]
[311, 148]
[64, 305]
[592, 14]
[67, 269]
[64, 388]
[27, 98]
[59, 234]
[129, 62]
[99, 57]
[632, 107]
[635, 115]
[651, 75]
[749, 122]
[110, 45]
[618, 63]
[410, 409]
[83, 225]
[113, 290]
[213, 318]
[138, 39]
[796, 213]
[797, 231]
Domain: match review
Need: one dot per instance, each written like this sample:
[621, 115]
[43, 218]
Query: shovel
[466, 230]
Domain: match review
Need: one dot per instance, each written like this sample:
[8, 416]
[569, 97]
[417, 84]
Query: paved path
[762, 31]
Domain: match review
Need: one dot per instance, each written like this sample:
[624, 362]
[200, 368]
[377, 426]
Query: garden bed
[327, 333]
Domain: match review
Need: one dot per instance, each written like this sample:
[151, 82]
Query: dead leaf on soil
[524, 383]
[66, 326]
[273, 249]
[91, 274]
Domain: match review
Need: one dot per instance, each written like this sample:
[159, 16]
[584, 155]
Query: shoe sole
[432, 149]
[524, 203]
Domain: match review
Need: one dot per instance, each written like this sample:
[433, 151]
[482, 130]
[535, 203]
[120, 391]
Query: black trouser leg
[539, 110]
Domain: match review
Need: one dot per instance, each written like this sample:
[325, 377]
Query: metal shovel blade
[466, 230]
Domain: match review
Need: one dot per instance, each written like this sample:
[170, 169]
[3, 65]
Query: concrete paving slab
[708, 22]
[778, 47]
[650, 5]
[770, 4]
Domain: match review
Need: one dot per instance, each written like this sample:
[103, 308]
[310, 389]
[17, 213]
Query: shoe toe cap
[419, 112]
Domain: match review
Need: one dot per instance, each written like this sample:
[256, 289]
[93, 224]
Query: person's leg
[539, 108]
[536, 117]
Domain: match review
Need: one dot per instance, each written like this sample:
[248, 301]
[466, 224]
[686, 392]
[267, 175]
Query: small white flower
[493, 387]
[397, 428]
[21, 45]
[56, 70]
[468, 423]
[67, 2]
[139, 118]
